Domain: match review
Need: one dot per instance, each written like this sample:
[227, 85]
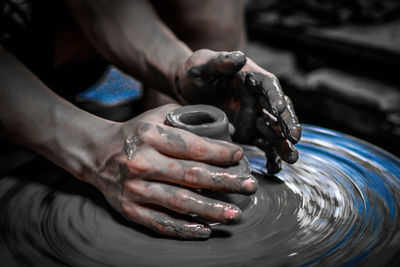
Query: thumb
[210, 63]
[226, 63]
[155, 115]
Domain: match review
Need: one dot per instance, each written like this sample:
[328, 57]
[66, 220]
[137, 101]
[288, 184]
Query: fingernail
[293, 156]
[238, 58]
[235, 55]
[287, 152]
[238, 155]
[191, 231]
[295, 133]
[202, 231]
[250, 185]
[232, 214]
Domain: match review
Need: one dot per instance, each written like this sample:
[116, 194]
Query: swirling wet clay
[338, 205]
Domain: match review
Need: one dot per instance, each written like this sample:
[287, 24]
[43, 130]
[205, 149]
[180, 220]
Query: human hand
[250, 96]
[148, 178]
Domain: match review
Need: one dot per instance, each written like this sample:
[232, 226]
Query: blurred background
[339, 61]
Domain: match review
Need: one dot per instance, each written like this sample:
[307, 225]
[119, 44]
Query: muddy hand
[206, 76]
[148, 180]
[250, 96]
[278, 123]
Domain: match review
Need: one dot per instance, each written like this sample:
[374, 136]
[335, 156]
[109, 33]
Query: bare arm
[35, 117]
[129, 34]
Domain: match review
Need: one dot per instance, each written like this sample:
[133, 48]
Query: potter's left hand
[251, 96]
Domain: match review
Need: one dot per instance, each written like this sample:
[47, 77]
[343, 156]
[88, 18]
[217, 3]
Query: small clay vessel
[206, 121]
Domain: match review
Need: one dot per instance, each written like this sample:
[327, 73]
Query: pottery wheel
[339, 204]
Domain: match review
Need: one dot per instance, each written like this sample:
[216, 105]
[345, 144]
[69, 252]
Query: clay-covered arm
[131, 36]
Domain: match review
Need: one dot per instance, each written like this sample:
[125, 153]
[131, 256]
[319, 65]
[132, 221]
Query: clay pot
[206, 121]
[203, 120]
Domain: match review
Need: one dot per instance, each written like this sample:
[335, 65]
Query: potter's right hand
[147, 176]
[251, 97]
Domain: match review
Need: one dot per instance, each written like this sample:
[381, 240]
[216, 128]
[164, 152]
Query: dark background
[339, 61]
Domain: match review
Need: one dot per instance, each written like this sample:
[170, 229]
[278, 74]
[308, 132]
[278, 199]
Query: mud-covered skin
[212, 124]
[157, 42]
[153, 171]
[251, 97]
[109, 155]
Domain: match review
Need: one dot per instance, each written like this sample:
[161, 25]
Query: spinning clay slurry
[338, 205]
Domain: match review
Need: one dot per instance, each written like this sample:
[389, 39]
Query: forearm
[130, 35]
[33, 116]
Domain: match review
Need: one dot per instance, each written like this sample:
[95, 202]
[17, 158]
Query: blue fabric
[113, 88]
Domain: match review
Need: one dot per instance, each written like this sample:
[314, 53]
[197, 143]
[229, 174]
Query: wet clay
[203, 120]
[209, 122]
[339, 204]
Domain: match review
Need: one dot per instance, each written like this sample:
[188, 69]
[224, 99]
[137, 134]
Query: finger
[203, 176]
[273, 123]
[267, 132]
[164, 223]
[209, 63]
[270, 131]
[287, 151]
[274, 94]
[270, 89]
[240, 107]
[185, 145]
[182, 201]
[274, 162]
[290, 123]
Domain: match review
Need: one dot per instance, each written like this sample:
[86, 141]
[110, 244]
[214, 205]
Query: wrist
[100, 166]
[77, 141]
[172, 65]
[98, 142]
[174, 77]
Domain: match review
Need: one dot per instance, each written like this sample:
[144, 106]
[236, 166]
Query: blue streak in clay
[368, 174]
[338, 205]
